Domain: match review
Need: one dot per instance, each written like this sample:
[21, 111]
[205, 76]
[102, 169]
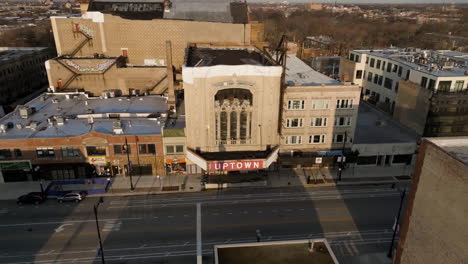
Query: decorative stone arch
[233, 115]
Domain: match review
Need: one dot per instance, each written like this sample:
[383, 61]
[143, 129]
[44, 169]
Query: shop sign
[97, 160]
[233, 165]
[318, 160]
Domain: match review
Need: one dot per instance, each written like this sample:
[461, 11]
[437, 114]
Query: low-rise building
[319, 116]
[72, 135]
[426, 91]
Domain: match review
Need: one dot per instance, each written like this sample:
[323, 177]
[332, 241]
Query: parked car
[31, 198]
[72, 197]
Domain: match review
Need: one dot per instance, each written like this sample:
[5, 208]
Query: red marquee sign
[233, 165]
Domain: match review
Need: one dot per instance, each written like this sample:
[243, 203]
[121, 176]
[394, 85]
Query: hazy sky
[367, 1]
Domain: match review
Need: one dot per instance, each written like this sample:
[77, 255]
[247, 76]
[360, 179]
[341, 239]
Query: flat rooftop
[202, 56]
[13, 53]
[138, 115]
[435, 60]
[375, 127]
[456, 146]
[316, 251]
[298, 73]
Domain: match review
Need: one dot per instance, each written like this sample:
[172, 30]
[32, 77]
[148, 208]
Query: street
[356, 220]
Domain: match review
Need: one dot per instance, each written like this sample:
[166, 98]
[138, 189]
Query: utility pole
[129, 164]
[98, 231]
[390, 251]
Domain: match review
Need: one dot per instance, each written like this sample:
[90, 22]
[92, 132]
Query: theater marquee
[233, 165]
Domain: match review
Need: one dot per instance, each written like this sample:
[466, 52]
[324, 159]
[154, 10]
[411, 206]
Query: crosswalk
[112, 225]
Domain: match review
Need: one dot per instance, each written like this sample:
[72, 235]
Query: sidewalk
[147, 184]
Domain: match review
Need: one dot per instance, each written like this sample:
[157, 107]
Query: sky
[369, 1]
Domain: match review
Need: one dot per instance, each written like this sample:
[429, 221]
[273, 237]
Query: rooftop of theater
[212, 56]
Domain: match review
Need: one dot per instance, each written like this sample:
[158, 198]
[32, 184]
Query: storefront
[175, 165]
[13, 171]
[101, 165]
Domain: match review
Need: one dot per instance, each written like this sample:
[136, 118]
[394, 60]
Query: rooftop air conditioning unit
[3, 128]
[117, 127]
[55, 101]
[25, 112]
[90, 111]
[60, 120]
[90, 120]
[33, 125]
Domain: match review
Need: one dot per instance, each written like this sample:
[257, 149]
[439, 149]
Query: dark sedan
[30, 198]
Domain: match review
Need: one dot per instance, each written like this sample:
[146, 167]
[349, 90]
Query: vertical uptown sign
[233, 165]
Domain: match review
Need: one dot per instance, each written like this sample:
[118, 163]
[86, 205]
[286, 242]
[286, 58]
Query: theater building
[232, 98]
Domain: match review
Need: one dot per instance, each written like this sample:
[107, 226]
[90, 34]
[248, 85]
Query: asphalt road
[162, 228]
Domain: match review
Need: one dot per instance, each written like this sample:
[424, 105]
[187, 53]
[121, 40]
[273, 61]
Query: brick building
[70, 136]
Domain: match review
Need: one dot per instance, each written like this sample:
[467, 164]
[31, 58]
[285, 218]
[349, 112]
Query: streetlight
[129, 164]
[98, 231]
[390, 251]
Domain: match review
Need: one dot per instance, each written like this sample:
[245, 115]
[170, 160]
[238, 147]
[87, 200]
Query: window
[357, 58]
[339, 138]
[367, 60]
[319, 104]
[397, 84]
[293, 140]
[121, 149]
[96, 150]
[389, 67]
[369, 77]
[423, 82]
[294, 122]
[402, 159]
[295, 104]
[70, 152]
[380, 79]
[359, 74]
[378, 64]
[351, 56]
[459, 85]
[367, 160]
[170, 149]
[395, 68]
[343, 121]
[444, 86]
[45, 152]
[400, 71]
[5, 153]
[179, 148]
[388, 83]
[344, 103]
[431, 84]
[372, 62]
[147, 148]
[18, 153]
[408, 72]
[318, 122]
[376, 78]
[383, 66]
[316, 139]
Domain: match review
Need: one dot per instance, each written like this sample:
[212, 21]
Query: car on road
[31, 198]
[72, 197]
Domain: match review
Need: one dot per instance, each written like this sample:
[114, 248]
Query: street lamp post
[98, 231]
[129, 165]
[390, 251]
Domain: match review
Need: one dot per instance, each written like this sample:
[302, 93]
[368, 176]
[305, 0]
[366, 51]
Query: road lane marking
[66, 222]
[199, 235]
[61, 228]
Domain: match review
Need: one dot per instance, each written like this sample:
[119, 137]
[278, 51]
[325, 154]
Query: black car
[31, 198]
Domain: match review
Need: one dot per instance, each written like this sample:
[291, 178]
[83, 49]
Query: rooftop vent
[55, 101]
[67, 96]
[90, 111]
[60, 120]
[3, 128]
[19, 126]
[90, 120]
[25, 112]
[117, 127]
[33, 125]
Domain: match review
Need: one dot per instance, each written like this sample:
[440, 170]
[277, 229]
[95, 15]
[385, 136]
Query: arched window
[233, 110]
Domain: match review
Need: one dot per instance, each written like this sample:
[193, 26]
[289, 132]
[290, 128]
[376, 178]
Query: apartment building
[319, 116]
[22, 71]
[424, 90]
[72, 135]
